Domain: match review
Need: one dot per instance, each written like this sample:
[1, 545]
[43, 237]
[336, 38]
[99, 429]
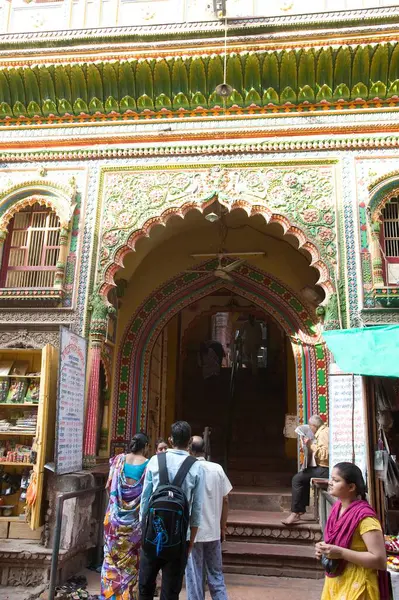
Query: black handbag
[330, 565]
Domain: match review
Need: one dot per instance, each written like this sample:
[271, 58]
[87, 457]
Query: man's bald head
[197, 446]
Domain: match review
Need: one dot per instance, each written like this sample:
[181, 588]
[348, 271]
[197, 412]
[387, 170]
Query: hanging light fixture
[224, 89]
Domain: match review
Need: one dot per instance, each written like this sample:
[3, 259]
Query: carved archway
[268, 293]
[381, 192]
[59, 198]
[298, 197]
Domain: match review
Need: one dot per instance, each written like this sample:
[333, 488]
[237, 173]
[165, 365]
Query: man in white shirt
[207, 549]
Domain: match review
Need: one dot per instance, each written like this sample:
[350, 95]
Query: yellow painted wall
[173, 256]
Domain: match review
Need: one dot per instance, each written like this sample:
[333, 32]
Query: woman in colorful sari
[122, 531]
[353, 553]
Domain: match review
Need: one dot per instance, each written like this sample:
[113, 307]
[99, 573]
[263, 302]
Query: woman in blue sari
[122, 531]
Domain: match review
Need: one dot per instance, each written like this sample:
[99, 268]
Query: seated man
[301, 481]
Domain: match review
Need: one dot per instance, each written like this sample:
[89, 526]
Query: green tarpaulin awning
[366, 351]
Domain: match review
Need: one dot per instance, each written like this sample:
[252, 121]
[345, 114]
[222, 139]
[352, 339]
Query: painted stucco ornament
[300, 198]
[331, 314]
[100, 311]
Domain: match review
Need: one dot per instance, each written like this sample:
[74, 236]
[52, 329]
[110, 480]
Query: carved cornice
[197, 149]
[28, 338]
[31, 316]
[323, 24]
[191, 47]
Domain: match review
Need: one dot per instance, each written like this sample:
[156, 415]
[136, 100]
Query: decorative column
[3, 235]
[376, 256]
[91, 425]
[100, 310]
[62, 258]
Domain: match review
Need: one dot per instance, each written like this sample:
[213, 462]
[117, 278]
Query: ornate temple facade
[116, 142]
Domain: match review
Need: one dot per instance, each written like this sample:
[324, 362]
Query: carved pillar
[100, 310]
[62, 258]
[3, 235]
[376, 256]
[91, 426]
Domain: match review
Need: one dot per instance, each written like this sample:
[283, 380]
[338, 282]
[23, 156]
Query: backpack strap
[183, 470]
[163, 469]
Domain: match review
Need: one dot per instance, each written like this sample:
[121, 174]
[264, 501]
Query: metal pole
[57, 533]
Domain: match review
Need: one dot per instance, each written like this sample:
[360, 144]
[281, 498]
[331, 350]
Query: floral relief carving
[23, 338]
[300, 198]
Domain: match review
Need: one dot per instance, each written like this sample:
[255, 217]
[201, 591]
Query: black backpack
[165, 529]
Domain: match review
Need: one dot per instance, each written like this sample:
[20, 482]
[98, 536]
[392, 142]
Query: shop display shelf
[19, 404]
[9, 463]
[17, 433]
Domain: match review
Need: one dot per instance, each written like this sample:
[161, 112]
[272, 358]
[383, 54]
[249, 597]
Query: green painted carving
[361, 65]
[331, 315]
[379, 65]
[252, 74]
[288, 70]
[294, 76]
[100, 311]
[300, 197]
[325, 68]
[342, 67]
[306, 70]
[5, 95]
[110, 82]
[78, 83]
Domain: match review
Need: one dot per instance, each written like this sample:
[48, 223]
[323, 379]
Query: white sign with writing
[347, 420]
[70, 402]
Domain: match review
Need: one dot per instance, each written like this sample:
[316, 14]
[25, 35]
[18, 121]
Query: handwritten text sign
[70, 403]
[343, 391]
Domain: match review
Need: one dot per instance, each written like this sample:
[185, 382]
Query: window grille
[391, 229]
[31, 249]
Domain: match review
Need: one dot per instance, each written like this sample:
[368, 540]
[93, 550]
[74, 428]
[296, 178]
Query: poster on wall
[347, 421]
[70, 402]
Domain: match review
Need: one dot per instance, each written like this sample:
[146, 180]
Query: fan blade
[198, 271]
[234, 265]
[221, 274]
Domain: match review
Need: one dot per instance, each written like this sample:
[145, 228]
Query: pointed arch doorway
[146, 386]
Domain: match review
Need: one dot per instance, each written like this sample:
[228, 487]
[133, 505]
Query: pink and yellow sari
[122, 535]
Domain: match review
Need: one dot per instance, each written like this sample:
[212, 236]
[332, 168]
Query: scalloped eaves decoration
[311, 79]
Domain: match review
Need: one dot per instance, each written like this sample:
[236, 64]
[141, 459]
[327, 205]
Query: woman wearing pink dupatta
[353, 541]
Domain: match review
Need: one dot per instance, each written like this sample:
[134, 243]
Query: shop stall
[28, 389]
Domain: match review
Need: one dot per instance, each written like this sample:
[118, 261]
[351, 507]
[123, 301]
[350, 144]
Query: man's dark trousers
[301, 487]
[172, 575]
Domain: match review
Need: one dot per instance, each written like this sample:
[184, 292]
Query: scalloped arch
[324, 281]
[269, 294]
[382, 191]
[59, 198]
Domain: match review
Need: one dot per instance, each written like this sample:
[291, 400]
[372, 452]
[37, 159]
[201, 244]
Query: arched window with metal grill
[31, 249]
[390, 240]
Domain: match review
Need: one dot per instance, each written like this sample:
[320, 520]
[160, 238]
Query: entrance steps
[273, 560]
[259, 544]
[260, 499]
[259, 526]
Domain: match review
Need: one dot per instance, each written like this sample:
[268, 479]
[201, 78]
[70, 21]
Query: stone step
[277, 560]
[264, 526]
[274, 499]
[259, 478]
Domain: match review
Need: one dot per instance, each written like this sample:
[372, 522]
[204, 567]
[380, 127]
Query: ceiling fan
[223, 272]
